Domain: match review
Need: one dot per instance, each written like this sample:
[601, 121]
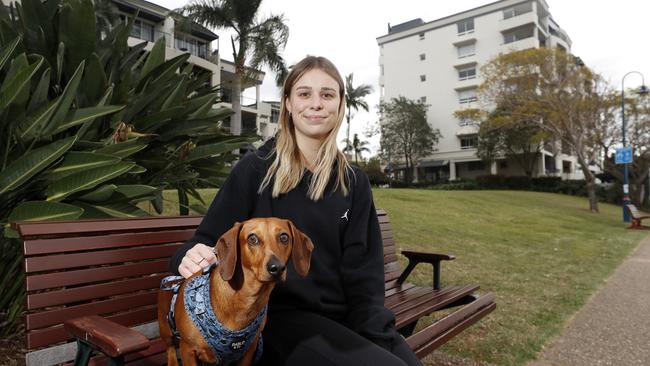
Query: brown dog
[252, 256]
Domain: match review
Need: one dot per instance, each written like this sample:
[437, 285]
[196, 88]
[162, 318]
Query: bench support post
[85, 351]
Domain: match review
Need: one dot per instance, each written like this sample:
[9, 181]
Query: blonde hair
[288, 168]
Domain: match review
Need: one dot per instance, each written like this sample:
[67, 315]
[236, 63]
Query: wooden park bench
[636, 217]
[100, 278]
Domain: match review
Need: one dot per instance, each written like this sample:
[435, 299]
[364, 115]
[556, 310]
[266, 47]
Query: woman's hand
[197, 258]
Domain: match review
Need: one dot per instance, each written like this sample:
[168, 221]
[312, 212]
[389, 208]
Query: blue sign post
[623, 155]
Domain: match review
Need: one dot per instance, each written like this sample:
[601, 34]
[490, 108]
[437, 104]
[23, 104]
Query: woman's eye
[253, 239]
[303, 95]
[328, 96]
[284, 238]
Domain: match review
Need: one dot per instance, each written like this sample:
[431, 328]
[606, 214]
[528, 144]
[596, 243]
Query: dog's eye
[253, 239]
[284, 238]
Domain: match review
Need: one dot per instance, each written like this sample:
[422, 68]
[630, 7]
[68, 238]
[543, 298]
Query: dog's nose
[275, 267]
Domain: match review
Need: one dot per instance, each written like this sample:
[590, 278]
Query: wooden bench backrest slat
[53, 335]
[64, 261]
[52, 317]
[113, 288]
[96, 274]
[50, 229]
[79, 244]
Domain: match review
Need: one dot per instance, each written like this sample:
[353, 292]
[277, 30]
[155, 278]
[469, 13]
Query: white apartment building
[439, 62]
[154, 22]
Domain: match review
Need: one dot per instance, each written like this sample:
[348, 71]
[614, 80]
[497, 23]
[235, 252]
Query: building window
[517, 10]
[465, 26]
[193, 46]
[503, 164]
[423, 99]
[566, 167]
[475, 165]
[467, 96]
[468, 142]
[467, 73]
[423, 57]
[381, 69]
[275, 115]
[519, 35]
[421, 35]
[423, 78]
[466, 50]
[140, 29]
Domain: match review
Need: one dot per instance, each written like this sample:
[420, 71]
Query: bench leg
[84, 351]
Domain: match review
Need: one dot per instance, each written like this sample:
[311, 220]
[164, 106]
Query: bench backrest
[634, 212]
[112, 268]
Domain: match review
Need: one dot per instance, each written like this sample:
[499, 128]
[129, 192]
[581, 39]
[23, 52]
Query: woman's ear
[287, 104]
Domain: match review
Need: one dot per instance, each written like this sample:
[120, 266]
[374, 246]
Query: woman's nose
[316, 102]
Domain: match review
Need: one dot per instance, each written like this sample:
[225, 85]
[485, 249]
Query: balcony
[517, 21]
[522, 44]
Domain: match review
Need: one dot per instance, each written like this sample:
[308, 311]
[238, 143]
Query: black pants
[304, 338]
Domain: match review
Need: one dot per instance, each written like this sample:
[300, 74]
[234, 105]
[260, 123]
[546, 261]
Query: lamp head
[643, 90]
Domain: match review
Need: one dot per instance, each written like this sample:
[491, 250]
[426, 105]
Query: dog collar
[229, 345]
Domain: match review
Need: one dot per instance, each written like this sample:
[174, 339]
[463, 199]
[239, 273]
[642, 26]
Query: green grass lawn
[542, 254]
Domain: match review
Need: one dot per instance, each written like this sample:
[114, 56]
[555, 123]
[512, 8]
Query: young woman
[336, 315]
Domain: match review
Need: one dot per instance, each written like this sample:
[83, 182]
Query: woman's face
[314, 102]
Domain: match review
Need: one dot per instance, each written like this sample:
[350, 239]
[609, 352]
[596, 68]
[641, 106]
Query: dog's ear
[301, 251]
[227, 251]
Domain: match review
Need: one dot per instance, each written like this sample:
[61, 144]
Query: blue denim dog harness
[229, 345]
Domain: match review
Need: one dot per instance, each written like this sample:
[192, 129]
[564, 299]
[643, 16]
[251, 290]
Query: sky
[611, 37]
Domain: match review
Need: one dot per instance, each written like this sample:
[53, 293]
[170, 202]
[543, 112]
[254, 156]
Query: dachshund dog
[252, 257]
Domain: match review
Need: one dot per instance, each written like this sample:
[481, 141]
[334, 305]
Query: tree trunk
[236, 118]
[591, 193]
[590, 180]
[347, 135]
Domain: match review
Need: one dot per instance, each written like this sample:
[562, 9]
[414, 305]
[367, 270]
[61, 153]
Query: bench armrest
[422, 257]
[114, 340]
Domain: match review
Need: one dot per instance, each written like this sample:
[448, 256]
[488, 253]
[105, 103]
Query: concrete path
[613, 328]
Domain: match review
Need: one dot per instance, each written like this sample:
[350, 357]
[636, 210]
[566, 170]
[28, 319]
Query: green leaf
[135, 190]
[42, 211]
[77, 26]
[78, 116]
[66, 100]
[138, 169]
[156, 57]
[76, 161]
[33, 124]
[39, 97]
[209, 150]
[15, 84]
[25, 167]
[123, 149]
[85, 180]
[124, 209]
[100, 194]
[7, 51]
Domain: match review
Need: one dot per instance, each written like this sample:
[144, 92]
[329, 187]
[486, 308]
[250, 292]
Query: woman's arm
[362, 269]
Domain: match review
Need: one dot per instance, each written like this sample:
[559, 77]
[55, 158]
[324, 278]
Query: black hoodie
[346, 278]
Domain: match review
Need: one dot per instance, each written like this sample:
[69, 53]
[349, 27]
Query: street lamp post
[626, 187]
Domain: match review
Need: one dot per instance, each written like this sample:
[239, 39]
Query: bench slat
[72, 295]
[53, 335]
[50, 229]
[410, 312]
[52, 317]
[97, 274]
[64, 261]
[78, 244]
